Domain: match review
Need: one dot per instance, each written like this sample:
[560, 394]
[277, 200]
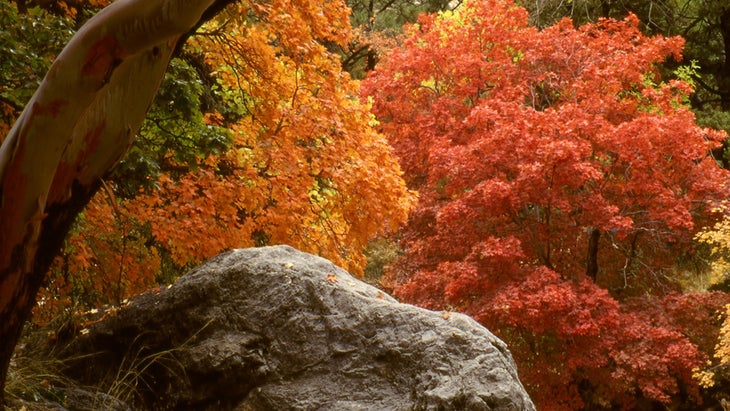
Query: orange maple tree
[107, 256]
[73, 131]
[305, 166]
[558, 177]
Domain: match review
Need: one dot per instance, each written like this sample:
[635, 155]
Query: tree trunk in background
[606, 8]
[592, 257]
[723, 76]
[74, 130]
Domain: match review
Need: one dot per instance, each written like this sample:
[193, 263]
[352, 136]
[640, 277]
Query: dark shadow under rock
[276, 329]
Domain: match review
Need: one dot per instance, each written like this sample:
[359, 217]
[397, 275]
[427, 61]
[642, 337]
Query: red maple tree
[558, 175]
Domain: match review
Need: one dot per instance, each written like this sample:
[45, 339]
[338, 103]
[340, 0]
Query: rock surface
[276, 329]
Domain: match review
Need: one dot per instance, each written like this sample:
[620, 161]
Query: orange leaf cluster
[106, 260]
[305, 168]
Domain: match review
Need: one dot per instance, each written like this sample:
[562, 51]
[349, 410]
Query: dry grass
[36, 380]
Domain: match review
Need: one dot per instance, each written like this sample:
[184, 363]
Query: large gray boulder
[277, 329]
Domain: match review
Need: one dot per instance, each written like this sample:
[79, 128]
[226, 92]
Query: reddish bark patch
[103, 57]
[12, 190]
[66, 173]
[52, 109]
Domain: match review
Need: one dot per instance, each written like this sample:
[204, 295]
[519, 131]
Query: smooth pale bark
[74, 130]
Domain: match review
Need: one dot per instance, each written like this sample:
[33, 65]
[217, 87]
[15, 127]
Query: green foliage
[28, 44]
[379, 253]
[688, 72]
[720, 120]
[378, 24]
[390, 16]
[175, 137]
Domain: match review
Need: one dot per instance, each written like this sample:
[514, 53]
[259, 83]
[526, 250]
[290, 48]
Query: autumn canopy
[553, 181]
[284, 151]
[291, 157]
[561, 182]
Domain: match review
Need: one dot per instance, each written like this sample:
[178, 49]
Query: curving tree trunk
[74, 130]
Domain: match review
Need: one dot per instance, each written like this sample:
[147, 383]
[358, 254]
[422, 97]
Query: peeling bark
[75, 129]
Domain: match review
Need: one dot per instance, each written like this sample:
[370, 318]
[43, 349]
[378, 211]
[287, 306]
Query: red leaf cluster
[557, 177]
